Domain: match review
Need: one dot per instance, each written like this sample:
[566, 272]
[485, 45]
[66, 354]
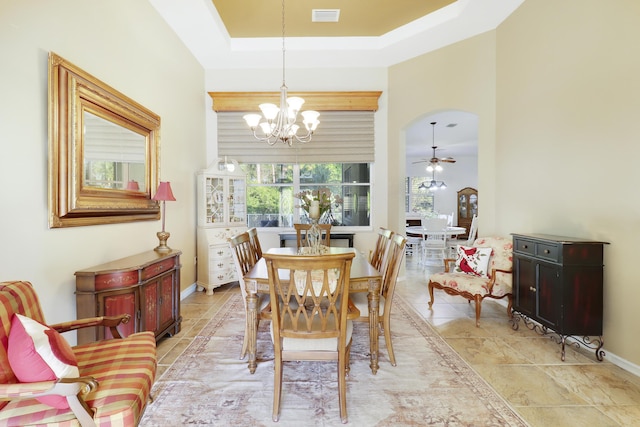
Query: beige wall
[568, 138]
[458, 77]
[128, 46]
[556, 88]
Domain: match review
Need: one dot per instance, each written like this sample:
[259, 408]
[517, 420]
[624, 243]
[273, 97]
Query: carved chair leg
[510, 306]
[430, 294]
[478, 299]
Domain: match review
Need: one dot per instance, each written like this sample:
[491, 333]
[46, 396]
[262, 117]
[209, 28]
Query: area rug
[431, 384]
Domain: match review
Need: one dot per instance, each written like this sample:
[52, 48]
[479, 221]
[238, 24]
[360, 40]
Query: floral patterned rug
[431, 384]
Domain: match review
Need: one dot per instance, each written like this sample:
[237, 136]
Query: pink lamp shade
[133, 185]
[164, 192]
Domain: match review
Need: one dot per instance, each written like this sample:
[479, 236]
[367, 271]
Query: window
[417, 200]
[271, 189]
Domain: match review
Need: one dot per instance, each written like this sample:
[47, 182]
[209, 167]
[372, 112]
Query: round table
[448, 232]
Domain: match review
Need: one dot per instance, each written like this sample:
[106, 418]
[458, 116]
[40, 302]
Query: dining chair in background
[378, 255]
[244, 258]
[255, 242]
[452, 244]
[309, 297]
[302, 229]
[395, 252]
[434, 244]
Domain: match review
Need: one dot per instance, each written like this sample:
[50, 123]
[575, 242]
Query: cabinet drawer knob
[532, 289]
[525, 246]
[547, 251]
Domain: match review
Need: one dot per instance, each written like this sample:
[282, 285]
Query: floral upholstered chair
[483, 270]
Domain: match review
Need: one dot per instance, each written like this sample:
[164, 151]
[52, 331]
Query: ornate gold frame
[72, 92]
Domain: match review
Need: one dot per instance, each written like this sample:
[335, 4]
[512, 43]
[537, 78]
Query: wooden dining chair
[302, 229]
[244, 258]
[309, 297]
[255, 242]
[394, 255]
[377, 256]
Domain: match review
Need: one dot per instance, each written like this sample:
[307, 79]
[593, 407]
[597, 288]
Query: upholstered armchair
[44, 381]
[481, 271]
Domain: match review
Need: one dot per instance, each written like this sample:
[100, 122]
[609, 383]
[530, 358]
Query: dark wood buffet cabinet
[145, 286]
[558, 283]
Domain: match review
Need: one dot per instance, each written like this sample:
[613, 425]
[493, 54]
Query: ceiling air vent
[325, 15]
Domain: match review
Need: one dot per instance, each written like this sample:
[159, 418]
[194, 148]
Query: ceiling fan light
[438, 168]
[430, 168]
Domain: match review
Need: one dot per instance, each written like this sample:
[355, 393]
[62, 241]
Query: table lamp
[163, 194]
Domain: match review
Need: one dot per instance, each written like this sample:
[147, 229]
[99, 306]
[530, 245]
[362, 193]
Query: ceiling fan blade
[421, 161]
[447, 160]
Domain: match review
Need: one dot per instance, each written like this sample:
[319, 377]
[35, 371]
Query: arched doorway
[455, 135]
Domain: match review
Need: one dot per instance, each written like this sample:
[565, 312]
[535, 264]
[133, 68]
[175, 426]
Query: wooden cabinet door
[549, 294]
[166, 302]
[115, 304]
[149, 302]
[525, 298]
[158, 303]
[467, 207]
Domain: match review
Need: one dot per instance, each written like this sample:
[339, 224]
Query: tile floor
[523, 367]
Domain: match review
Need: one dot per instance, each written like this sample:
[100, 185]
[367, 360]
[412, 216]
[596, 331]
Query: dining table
[448, 231]
[363, 278]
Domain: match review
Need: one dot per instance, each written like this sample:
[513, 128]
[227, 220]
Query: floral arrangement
[322, 198]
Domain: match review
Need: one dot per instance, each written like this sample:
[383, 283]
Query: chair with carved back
[310, 315]
[483, 270]
[395, 253]
[244, 258]
[377, 256]
[302, 229]
[255, 242]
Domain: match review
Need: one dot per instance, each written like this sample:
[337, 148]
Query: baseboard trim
[188, 291]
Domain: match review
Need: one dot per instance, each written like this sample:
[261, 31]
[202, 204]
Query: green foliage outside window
[271, 189]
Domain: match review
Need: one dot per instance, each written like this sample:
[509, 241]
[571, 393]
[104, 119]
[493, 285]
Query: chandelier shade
[278, 123]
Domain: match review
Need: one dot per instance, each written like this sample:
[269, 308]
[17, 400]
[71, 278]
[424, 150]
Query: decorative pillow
[38, 353]
[473, 260]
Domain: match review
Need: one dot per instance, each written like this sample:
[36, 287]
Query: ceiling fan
[434, 162]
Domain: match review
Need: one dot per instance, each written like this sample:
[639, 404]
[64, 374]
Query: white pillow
[473, 260]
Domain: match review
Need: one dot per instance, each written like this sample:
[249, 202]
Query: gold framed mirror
[103, 151]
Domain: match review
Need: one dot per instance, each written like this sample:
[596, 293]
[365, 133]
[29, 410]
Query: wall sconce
[163, 194]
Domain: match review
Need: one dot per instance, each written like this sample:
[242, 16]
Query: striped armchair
[115, 380]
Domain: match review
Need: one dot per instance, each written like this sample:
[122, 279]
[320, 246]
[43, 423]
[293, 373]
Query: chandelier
[278, 124]
[434, 166]
[433, 184]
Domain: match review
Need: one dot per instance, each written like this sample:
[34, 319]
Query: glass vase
[314, 236]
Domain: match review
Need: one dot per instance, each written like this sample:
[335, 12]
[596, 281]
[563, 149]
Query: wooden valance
[319, 101]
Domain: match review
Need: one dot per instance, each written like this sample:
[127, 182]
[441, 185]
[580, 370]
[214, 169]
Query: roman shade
[343, 136]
